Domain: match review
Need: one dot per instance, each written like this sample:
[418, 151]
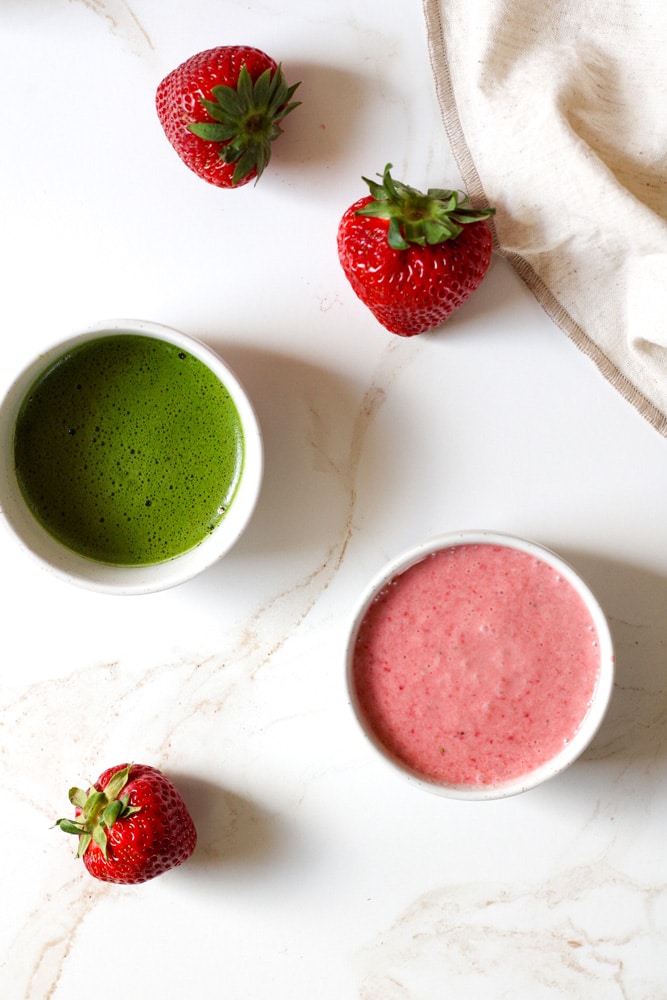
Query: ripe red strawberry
[413, 258]
[132, 825]
[221, 110]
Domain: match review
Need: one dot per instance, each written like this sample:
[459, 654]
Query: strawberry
[413, 258]
[132, 825]
[221, 110]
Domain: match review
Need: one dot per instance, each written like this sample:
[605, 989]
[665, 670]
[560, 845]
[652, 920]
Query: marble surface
[318, 872]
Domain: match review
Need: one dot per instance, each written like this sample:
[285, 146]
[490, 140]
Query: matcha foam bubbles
[128, 449]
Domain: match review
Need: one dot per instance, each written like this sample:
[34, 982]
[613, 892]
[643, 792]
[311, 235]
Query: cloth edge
[475, 189]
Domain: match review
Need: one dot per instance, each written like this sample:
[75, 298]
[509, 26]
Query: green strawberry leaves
[99, 811]
[425, 219]
[246, 119]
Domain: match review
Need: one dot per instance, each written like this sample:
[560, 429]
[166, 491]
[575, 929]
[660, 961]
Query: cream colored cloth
[556, 113]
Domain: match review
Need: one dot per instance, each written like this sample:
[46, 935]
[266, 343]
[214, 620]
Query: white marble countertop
[318, 872]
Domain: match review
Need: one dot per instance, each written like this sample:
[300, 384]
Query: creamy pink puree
[476, 665]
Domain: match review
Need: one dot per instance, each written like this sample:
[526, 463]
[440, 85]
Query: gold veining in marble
[122, 21]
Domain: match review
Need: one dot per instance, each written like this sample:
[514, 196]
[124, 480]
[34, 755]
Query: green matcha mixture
[128, 450]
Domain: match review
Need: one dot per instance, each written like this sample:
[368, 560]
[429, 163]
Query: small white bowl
[598, 703]
[142, 579]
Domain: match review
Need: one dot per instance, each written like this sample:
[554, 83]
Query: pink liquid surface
[476, 665]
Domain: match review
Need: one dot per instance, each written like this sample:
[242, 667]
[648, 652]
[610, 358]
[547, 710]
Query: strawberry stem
[414, 217]
[99, 811]
[246, 119]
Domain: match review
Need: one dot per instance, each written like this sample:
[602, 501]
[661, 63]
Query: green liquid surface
[128, 450]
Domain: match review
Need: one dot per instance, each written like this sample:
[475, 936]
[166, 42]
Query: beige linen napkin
[557, 115]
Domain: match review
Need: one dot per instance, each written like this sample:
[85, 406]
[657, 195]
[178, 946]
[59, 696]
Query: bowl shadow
[313, 423]
[634, 600]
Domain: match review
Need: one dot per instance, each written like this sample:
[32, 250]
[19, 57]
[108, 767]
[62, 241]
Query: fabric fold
[557, 116]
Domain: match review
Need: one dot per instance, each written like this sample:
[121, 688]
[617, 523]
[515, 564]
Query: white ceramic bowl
[88, 573]
[598, 704]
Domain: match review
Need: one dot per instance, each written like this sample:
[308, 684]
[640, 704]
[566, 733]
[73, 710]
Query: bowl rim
[591, 722]
[88, 573]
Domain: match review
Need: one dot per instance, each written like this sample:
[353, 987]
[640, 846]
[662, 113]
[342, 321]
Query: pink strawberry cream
[476, 665]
